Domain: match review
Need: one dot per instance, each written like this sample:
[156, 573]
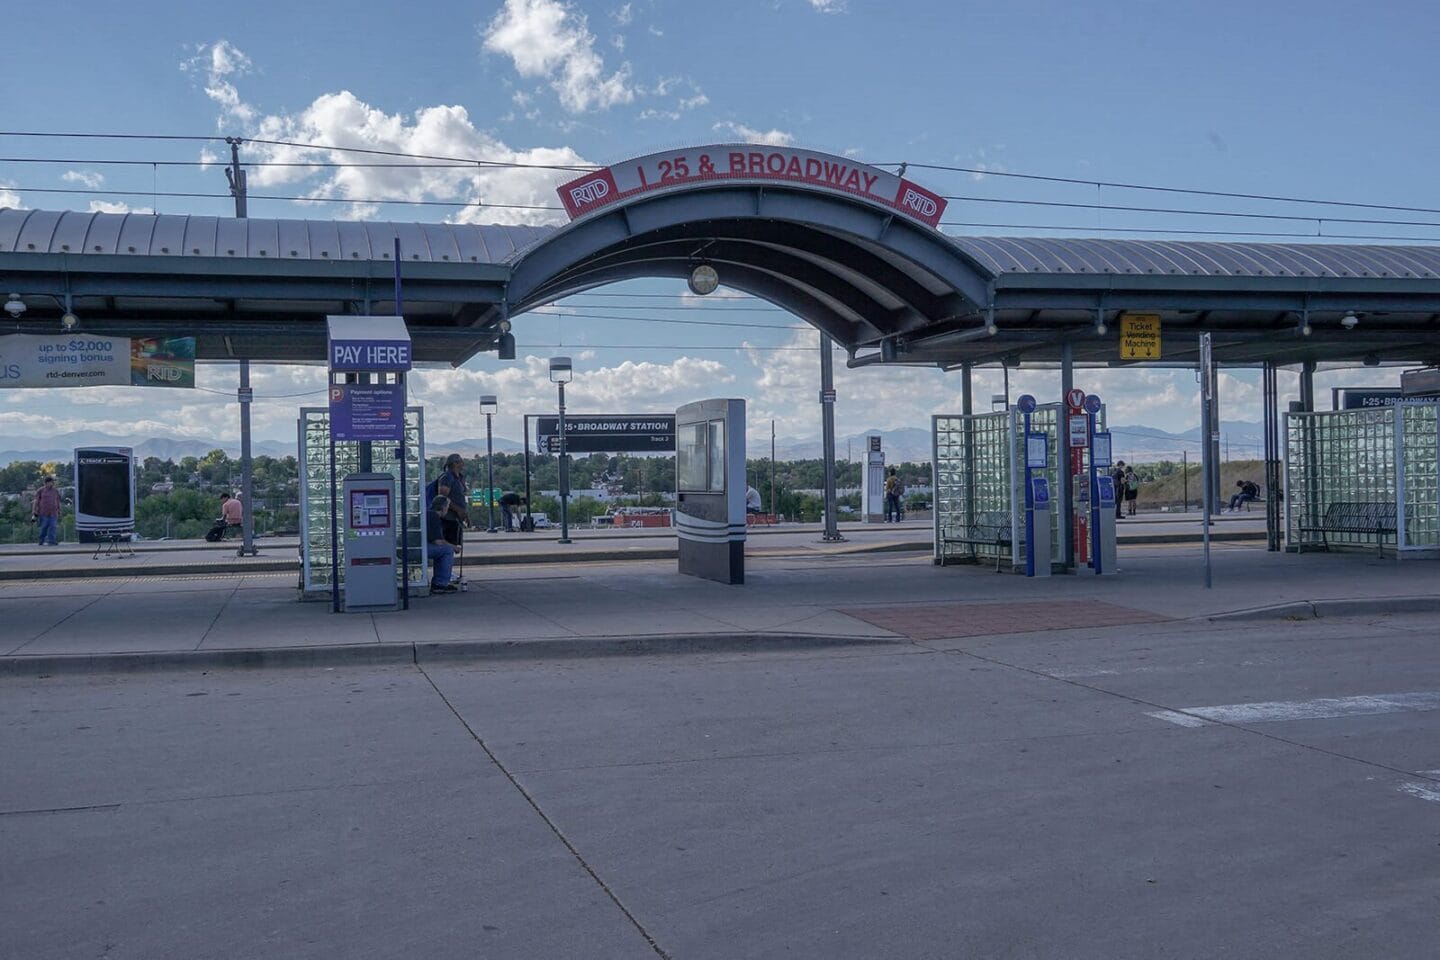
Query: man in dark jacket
[440, 551]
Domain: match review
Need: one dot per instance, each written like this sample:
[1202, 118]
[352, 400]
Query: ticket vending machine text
[370, 541]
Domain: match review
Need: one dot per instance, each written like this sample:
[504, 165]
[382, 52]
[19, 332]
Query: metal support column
[247, 502]
[1067, 486]
[1307, 386]
[1271, 394]
[1216, 497]
[827, 423]
[236, 175]
[967, 407]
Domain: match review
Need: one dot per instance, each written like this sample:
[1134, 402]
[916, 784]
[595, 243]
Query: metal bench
[1358, 517]
[990, 528]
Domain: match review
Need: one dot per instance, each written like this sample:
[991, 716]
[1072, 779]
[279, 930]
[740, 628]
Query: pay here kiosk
[369, 522]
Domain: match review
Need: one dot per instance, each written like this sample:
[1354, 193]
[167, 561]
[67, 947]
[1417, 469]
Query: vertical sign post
[1092, 407]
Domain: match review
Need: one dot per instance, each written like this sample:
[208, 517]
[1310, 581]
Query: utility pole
[772, 468]
[236, 175]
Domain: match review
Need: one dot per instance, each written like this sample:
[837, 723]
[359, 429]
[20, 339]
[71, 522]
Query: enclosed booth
[319, 489]
[979, 466]
[1366, 480]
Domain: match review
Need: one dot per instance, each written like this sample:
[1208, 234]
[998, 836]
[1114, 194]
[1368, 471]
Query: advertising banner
[78, 360]
[608, 433]
[749, 162]
[368, 411]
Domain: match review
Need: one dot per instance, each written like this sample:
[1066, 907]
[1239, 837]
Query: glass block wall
[973, 480]
[314, 439]
[1386, 455]
[1420, 436]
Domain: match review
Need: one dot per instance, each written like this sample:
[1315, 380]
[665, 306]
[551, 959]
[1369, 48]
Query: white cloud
[116, 206]
[9, 198]
[550, 39]
[219, 62]
[89, 178]
[828, 6]
[624, 15]
[746, 134]
[344, 120]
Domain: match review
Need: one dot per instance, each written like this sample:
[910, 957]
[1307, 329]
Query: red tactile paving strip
[946, 620]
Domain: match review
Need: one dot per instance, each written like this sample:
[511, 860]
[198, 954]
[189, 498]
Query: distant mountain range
[1240, 440]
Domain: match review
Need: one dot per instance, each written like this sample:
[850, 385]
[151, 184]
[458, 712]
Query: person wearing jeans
[47, 512]
[440, 551]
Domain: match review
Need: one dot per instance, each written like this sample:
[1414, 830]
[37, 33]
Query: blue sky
[1318, 99]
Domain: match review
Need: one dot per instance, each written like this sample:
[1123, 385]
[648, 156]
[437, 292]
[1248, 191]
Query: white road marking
[1322, 709]
[1179, 719]
[1425, 791]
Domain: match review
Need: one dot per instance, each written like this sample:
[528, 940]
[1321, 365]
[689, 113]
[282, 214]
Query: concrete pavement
[792, 597]
[1031, 796]
[161, 558]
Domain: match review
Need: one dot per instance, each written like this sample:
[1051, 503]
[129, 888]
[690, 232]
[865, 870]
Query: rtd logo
[920, 203]
[590, 192]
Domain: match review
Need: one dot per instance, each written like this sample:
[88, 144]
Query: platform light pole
[489, 406]
[561, 373]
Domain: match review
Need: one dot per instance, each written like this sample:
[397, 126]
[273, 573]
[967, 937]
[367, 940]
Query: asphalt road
[1088, 793]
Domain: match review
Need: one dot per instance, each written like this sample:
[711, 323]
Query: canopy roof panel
[885, 288]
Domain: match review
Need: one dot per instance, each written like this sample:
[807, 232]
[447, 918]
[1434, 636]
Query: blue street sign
[1092, 403]
[1026, 403]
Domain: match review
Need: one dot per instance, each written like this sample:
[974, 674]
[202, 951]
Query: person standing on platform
[510, 505]
[46, 510]
[1132, 490]
[1117, 476]
[451, 486]
[892, 498]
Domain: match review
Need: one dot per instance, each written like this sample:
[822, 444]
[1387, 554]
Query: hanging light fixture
[703, 280]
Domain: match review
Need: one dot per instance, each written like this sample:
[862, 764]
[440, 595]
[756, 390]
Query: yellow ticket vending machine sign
[1140, 336]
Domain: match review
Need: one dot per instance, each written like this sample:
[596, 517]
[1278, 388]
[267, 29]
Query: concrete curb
[384, 654]
[1317, 609]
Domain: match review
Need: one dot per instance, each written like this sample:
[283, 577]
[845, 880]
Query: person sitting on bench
[231, 517]
[440, 550]
[1247, 492]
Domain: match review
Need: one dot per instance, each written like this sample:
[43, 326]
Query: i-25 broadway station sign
[608, 433]
[753, 163]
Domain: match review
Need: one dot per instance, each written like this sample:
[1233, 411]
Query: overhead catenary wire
[472, 161]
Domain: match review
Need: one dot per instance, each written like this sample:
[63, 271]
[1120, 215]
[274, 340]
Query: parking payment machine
[1102, 514]
[1037, 496]
[368, 507]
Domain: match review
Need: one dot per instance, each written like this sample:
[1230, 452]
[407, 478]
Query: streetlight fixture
[561, 373]
[489, 407]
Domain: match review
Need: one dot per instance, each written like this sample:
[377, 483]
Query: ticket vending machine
[1037, 529]
[1102, 514]
[710, 489]
[368, 508]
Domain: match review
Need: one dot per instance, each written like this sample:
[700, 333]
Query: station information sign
[734, 162]
[608, 433]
